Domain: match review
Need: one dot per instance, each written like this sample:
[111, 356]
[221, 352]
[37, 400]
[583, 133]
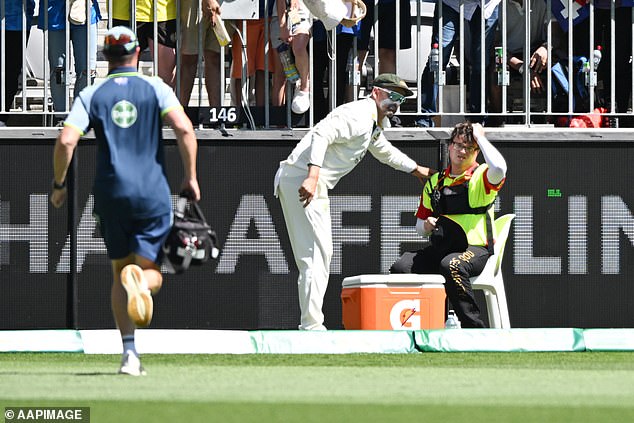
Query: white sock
[128, 345]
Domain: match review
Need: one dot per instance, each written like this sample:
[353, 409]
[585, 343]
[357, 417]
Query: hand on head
[478, 131]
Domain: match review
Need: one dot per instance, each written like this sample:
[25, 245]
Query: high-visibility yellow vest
[480, 196]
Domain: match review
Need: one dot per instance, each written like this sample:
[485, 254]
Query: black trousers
[456, 268]
[622, 53]
[321, 62]
[13, 67]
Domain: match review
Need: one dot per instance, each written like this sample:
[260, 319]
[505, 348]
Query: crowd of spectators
[329, 69]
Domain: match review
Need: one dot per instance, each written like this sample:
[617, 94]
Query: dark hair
[121, 60]
[466, 130]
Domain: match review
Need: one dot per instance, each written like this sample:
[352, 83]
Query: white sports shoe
[314, 328]
[301, 101]
[131, 365]
[140, 304]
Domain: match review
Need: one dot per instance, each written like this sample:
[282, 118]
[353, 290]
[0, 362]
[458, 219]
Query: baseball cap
[392, 82]
[119, 41]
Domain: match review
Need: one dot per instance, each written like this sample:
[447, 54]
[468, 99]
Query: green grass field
[426, 387]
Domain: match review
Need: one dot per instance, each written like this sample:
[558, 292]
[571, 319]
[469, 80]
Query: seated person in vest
[456, 212]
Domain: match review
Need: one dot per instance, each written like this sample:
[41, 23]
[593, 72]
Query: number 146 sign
[219, 115]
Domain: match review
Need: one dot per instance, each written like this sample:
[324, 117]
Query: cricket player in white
[330, 150]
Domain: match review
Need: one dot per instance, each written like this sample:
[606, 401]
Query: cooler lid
[398, 278]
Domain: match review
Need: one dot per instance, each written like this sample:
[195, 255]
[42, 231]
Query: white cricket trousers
[310, 233]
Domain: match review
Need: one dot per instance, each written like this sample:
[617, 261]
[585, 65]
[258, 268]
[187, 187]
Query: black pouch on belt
[448, 237]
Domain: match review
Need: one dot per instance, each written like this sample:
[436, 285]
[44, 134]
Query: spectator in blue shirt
[447, 36]
[622, 56]
[57, 21]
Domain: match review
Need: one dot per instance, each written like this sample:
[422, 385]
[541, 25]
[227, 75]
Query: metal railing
[506, 94]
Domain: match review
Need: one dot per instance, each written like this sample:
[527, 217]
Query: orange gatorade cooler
[399, 301]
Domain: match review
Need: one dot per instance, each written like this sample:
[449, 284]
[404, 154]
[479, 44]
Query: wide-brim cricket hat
[393, 82]
[119, 41]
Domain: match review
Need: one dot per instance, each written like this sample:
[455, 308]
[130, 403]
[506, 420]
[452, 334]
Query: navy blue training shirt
[126, 112]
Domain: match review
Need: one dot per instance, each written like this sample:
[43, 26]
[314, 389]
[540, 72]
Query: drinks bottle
[434, 61]
[452, 321]
[288, 63]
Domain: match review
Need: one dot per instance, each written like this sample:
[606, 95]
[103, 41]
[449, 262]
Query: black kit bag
[191, 240]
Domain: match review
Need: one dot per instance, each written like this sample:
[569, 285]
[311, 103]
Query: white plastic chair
[490, 280]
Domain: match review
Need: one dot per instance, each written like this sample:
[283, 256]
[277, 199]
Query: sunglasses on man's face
[394, 96]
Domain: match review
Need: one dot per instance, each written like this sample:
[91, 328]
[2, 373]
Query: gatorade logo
[406, 315]
[123, 114]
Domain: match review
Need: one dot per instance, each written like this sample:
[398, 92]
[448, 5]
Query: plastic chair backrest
[503, 227]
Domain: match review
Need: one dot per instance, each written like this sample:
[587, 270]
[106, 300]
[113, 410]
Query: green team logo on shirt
[124, 114]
